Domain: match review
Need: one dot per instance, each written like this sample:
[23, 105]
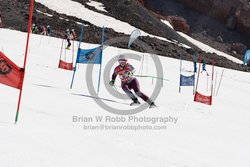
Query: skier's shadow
[99, 98]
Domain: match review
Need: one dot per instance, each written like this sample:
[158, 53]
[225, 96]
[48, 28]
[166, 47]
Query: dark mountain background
[214, 22]
[229, 33]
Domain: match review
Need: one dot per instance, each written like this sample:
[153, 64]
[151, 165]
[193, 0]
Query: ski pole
[215, 84]
[148, 76]
[220, 82]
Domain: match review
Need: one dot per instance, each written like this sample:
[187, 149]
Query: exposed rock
[146, 21]
[179, 23]
[15, 15]
[219, 39]
[204, 33]
[239, 48]
[231, 23]
[243, 18]
[207, 21]
[127, 2]
[234, 13]
[142, 2]
[234, 52]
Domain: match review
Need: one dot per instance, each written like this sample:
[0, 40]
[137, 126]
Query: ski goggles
[122, 61]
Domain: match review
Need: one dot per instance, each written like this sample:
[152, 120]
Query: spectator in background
[42, 30]
[195, 66]
[68, 37]
[248, 63]
[73, 34]
[34, 29]
[195, 62]
[48, 30]
[1, 22]
[204, 67]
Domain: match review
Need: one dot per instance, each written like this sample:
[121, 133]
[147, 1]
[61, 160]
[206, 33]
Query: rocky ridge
[15, 16]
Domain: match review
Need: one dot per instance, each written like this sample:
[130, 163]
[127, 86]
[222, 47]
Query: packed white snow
[99, 6]
[196, 135]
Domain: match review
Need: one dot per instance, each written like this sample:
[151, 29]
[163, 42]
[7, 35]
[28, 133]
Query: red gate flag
[65, 65]
[10, 73]
[202, 98]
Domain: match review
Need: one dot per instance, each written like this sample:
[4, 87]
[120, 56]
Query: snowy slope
[78, 10]
[203, 136]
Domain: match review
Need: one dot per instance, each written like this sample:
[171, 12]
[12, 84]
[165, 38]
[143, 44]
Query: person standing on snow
[195, 66]
[73, 34]
[42, 30]
[128, 82]
[48, 29]
[195, 63]
[68, 37]
[34, 29]
[204, 67]
[1, 22]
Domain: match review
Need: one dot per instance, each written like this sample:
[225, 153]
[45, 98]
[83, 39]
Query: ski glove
[112, 83]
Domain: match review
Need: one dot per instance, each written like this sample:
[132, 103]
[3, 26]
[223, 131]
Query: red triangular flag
[10, 73]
